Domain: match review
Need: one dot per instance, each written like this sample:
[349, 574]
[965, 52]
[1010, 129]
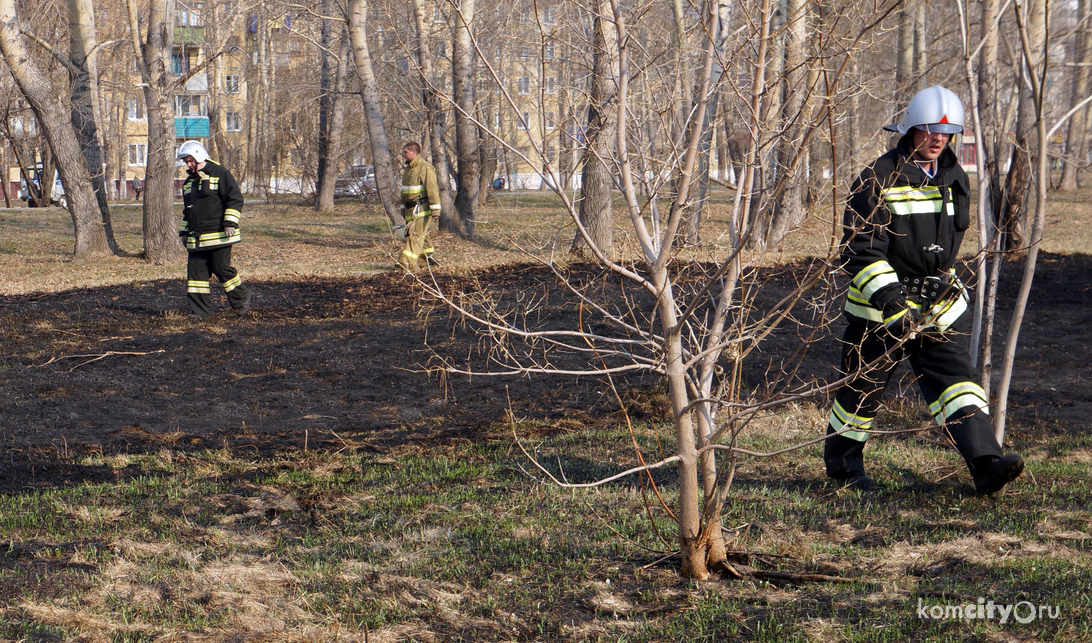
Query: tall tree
[85, 110]
[1018, 181]
[467, 141]
[161, 243]
[789, 202]
[437, 121]
[388, 182]
[598, 180]
[331, 116]
[1076, 139]
[56, 124]
[716, 24]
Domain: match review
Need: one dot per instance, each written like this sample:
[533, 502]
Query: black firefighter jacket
[211, 200]
[900, 225]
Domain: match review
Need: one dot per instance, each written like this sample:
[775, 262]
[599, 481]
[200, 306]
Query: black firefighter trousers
[945, 376]
[216, 261]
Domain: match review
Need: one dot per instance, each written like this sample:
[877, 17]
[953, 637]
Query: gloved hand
[900, 318]
[183, 233]
[901, 323]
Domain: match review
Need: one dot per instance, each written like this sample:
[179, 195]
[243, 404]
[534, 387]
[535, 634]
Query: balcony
[191, 127]
[189, 35]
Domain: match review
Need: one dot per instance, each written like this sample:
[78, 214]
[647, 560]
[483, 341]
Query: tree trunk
[328, 157]
[788, 207]
[57, 127]
[904, 56]
[85, 112]
[718, 27]
[326, 85]
[1076, 140]
[387, 181]
[466, 130]
[437, 121]
[597, 180]
[989, 135]
[161, 244]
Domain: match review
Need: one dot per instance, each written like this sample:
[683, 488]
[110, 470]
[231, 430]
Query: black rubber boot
[844, 459]
[991, 473]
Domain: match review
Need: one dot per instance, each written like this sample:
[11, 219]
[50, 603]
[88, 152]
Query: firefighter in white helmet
[903, 225]
[212, 205]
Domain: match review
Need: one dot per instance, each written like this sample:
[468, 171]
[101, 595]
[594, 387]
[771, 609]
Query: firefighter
[420, 202]
[903, 225]
[212, 205]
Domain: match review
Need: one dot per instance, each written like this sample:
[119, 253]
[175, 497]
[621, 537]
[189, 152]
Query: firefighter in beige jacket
[420, 202]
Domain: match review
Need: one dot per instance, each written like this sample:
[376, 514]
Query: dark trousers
[202, 264]
[945, 376]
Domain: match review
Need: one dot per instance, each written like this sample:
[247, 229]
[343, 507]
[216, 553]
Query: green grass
[460, 545]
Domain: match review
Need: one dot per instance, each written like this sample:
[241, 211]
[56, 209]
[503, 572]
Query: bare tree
[161, 243]
[85, 111]
[437, 120]
[1015, 196]
[598, 180]
[467, 142]
[1032, 28]
[387, 180]
[1076, 139]
[54, 119]
[331, 114]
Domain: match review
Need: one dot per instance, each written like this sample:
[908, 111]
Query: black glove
[902, 323]
[183, 233]
[900, 318]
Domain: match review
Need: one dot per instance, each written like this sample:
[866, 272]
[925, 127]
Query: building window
[186, 105]
[523, 85]
[549, 16]
[180, 63]
[138, 154]
[524, 53]
[136, 110]
[548, 52]
[231, 83]
[551, 85]
[551, 122]
[189, 14]
[233, 121]
[524, 120]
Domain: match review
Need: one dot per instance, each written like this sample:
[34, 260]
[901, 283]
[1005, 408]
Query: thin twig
[96, 357]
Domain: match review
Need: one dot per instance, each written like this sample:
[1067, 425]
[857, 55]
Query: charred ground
[321, 361]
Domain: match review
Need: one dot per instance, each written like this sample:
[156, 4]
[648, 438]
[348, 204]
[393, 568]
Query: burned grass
[302, 474]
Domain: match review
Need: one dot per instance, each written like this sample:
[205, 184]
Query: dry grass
[454, 543]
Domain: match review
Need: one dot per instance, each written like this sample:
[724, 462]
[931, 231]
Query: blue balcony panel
[191, 127]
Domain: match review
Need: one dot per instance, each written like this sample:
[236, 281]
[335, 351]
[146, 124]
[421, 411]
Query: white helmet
[194, 149]
[937, 108]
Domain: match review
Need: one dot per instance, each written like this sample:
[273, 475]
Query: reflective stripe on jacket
[901, 223]
[211, 200]
[419, 184]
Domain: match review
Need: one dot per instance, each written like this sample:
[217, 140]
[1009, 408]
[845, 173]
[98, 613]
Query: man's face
[191, 164]
[928, 145]
[408, 154]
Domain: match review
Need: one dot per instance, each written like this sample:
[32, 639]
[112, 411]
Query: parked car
[357, 182]
[56, 196]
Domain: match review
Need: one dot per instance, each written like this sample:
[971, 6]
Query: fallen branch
[95, 358]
